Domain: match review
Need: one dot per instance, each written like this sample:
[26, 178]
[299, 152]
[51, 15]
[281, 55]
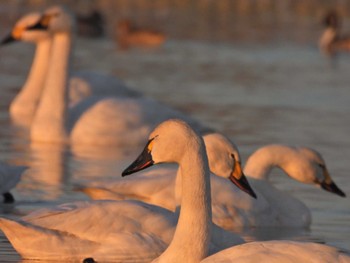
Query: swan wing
[104, 230]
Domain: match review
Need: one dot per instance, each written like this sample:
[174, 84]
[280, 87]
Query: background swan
[94, 120]
[272, 207]
[10, 175]
[277, 208]
[126, 231]
[81, 85]
[191, 244]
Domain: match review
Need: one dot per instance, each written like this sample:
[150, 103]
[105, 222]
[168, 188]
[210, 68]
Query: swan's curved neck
[26, 102]
[49, 121]
[261, 162]
[193, 232]
[327, 38]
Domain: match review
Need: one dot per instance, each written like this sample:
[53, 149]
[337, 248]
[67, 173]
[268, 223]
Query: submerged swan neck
[192, 236]
[26, 102]
[262, 161]
[51, 113]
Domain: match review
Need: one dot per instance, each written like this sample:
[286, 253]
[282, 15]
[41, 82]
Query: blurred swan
[331, 40]
[82, 84]
[191, 244]
[93, 120]
[10, 175]
[130, 231]
[272, 207]
[279, 251]
[128, 36]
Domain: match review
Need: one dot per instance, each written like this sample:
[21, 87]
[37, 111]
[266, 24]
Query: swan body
[93, 120]
[279, 251]
[126, 231]
[81, 85]
[272, 208]
[191, 239]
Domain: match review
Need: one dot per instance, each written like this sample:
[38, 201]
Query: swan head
[332, 19]
[225, 160]
[168, 143]
[311, 168]
[26, 30]
[55, 19]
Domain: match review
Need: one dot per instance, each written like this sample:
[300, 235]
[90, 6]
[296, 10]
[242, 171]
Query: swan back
[58, 20]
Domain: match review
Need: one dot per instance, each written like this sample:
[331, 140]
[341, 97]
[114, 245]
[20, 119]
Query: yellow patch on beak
[150, 145]
[327, 177]
[17, 32]
[45, 20]
[237, 172]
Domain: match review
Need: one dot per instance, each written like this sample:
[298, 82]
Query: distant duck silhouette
[331, 40]
[129, 35]
[90, 25]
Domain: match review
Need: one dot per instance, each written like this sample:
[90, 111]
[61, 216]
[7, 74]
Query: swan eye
[233, 156]
[322, 166]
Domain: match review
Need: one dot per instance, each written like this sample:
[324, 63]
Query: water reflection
[252, 93]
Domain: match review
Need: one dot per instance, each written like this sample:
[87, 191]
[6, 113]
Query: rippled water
[255, 94]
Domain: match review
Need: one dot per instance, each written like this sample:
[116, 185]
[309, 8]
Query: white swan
[272, 207]
[192, 236]
[23, 107]
[81, 85]
[279, 252]
[10, 175]
[129, 231]
[94, 120]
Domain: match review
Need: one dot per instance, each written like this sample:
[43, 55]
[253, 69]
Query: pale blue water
[255, 94]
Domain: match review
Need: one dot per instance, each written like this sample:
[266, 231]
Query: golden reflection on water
[255, 95]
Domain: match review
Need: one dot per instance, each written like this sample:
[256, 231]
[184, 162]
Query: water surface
[255, 94]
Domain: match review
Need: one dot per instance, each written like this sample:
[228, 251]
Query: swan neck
[327, 39]
[26, 102]
[193, 231]
[51, 112]
[262, 161]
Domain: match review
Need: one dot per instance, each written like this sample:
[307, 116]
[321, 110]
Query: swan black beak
[240, 180]
[333, 188]
[142, 162]
[39, 25]
[7, 40]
